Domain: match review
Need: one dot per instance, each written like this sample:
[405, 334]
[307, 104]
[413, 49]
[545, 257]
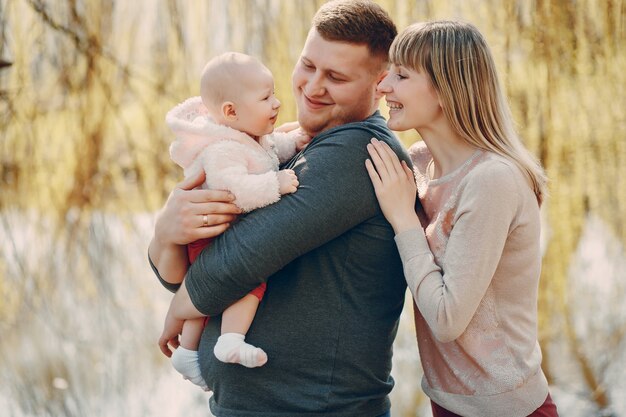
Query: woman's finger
[377, 162]
[389, 157]
[409, 172]
[373, 174]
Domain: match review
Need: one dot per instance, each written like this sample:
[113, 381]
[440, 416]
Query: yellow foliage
[84, 105]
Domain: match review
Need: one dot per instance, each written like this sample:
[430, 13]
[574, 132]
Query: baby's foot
[231, 348]
[186, 362]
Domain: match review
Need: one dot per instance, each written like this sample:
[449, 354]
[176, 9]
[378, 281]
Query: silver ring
[205, 220]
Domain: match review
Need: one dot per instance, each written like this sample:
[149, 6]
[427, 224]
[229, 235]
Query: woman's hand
[394, 185]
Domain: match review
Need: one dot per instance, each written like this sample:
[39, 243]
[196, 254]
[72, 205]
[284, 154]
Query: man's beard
[316, 125]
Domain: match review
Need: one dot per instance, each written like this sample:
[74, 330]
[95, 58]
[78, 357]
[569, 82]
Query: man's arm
[335, 194]
[181, 309]
[181, 221]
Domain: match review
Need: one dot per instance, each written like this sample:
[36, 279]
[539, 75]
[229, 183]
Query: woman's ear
[228, 111]
[439, 100]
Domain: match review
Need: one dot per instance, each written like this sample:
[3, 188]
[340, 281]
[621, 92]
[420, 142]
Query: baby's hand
[287, 181]
[302, 140]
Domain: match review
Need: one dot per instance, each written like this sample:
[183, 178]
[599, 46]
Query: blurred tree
[82, 116]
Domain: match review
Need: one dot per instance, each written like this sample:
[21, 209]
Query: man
[335, 282]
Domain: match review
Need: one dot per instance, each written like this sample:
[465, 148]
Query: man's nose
[315, 86]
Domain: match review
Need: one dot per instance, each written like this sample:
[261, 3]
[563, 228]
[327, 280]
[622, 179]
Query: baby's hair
[221, 76]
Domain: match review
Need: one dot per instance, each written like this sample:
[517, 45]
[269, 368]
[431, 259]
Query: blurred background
[84, 166]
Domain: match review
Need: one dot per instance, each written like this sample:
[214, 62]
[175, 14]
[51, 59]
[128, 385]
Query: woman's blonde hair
[460, 66]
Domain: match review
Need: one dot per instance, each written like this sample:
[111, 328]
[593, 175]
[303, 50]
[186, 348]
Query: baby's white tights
[186, 362]
[231, 348]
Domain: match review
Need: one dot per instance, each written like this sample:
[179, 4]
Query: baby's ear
[228, 111]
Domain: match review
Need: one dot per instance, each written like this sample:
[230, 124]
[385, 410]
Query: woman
[474, 267]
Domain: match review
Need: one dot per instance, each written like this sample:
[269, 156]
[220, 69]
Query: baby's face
[256, 105]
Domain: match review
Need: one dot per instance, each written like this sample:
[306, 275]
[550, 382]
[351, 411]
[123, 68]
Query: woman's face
[412, 100]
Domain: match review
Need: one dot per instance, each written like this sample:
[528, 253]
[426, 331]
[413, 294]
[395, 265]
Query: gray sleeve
[335, 194]
[168, 285]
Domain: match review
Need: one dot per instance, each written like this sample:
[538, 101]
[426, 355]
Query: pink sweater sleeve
[449, 298]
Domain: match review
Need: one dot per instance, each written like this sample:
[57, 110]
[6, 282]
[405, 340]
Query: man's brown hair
[356, 21]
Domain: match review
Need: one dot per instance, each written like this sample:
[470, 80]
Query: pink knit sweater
[474, 277]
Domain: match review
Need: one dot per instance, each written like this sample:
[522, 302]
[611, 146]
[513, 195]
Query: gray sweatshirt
[334, 296]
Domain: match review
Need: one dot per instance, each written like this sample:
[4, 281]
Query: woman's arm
[448, 299]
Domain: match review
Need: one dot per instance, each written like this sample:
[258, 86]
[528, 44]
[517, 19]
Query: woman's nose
[384, 86]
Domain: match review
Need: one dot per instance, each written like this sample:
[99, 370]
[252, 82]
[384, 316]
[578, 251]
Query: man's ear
[381, 77]
[228, 111]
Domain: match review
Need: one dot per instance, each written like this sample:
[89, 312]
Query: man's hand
[172, 328]
[181, 309]
[189, 214]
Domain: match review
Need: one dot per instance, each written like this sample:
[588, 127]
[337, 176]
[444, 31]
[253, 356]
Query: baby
[226, 133]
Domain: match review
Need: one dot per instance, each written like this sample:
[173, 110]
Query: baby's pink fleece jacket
[231, 159]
